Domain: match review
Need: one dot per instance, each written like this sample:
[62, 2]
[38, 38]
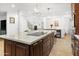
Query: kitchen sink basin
[37, 34]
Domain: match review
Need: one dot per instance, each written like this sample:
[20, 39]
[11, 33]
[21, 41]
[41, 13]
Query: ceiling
[27, 8]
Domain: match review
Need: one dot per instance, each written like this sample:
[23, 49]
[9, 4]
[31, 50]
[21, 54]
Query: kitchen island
[36, 43]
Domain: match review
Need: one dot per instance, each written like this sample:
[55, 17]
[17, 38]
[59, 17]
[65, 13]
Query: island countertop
[77, 36]
[24, 38]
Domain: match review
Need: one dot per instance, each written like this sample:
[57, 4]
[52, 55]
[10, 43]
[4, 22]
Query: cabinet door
[13, 48]
[77, 30]
[7, 48]
[76, 18]
[40, 48]
[36, 49]
[46, 46]
[22, 50]
[76, 7]
[52, 40]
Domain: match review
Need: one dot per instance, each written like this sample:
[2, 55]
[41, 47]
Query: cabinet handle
[35, 44]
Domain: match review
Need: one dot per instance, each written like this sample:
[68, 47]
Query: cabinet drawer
[21, 49]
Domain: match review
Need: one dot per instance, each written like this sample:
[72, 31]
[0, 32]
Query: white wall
[12, 28]
[64, 23]
[3, 15]
[57, 12]
[22, 22]
[29, 21]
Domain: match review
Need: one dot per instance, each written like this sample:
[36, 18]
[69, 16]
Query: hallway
[62, 47]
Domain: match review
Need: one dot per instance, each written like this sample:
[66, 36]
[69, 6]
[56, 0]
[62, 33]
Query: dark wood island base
[39, 48]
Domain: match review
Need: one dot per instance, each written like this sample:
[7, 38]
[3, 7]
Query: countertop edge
[24, 42]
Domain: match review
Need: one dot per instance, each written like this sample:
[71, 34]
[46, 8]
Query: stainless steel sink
[37, 34]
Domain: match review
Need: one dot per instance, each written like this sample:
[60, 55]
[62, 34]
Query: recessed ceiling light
[36, 10]
[13, 5]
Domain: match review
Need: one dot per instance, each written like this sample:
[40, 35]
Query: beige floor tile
[62, 47]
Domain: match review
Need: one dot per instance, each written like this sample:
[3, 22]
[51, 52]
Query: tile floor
[62, 47]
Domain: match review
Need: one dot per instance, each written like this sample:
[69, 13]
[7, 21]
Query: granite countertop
[77, 36]
[24, 38]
